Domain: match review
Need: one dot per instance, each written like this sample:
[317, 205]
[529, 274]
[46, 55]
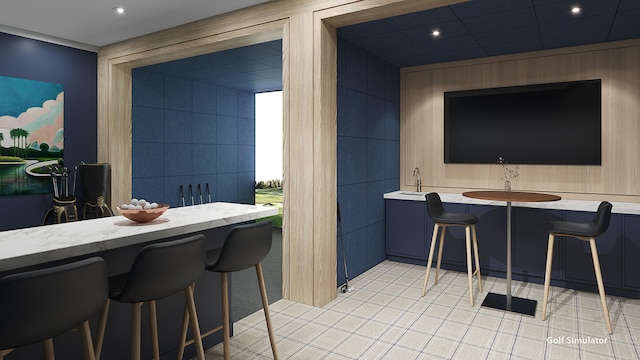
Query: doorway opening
[269, 171]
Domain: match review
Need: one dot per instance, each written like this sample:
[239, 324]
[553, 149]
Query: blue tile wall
[368, 154]
[190, 133]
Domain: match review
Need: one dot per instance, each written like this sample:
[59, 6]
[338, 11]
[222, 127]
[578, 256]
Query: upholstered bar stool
[585, 232]
[159, 270]
[38, 305]
[245, 246]
[443, 219]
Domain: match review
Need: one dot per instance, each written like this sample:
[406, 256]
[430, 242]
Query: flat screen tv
[551, 124]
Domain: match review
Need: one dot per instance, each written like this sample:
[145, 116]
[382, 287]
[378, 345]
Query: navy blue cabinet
[406, 224]
[409, 232]
[530, 243]
[579, 262]
[631, 252]
[491, 231]
[454, 255]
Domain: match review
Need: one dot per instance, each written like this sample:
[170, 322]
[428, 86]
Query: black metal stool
[245, 246]
[38, 305]
[443, 219]
[585, 232]
[159, 270]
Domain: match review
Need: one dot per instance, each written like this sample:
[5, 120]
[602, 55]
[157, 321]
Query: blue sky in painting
[18, 95]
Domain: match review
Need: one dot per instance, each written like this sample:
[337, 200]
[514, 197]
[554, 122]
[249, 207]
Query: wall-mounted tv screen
[554, 124]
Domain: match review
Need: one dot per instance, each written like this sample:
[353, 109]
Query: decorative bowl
[143, 216]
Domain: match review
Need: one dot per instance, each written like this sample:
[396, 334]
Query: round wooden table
[499, 301]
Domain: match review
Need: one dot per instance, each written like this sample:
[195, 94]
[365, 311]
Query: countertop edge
[41, 244]
[573, 205]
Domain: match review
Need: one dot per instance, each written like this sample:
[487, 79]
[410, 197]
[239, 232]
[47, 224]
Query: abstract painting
[31, 135]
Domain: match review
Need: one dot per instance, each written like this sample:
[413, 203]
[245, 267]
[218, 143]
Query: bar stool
[159, 270]
[244, 246]
[38, 305]
[443, 219]
[585, 232]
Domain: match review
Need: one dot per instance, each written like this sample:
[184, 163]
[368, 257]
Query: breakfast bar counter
[37, 245]
[117, 240]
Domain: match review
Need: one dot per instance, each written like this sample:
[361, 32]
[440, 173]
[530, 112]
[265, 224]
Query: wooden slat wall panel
[422, 121]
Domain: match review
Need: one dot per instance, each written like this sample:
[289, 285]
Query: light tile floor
[386, 318]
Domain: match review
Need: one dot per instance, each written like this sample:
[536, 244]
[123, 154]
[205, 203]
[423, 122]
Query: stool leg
[102, 326]
[183, 332]
[547, 276]
[603, 299]
[477, 258]
[265, 306]
[153, 323]
[467, 230]
[225, 315]
[432, 248]
[48, 350]
[87, 344]
[440, 247]
[135, 330]
[195, 327]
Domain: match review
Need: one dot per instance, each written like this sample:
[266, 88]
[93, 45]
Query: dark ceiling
[469, 30]
[484, 28]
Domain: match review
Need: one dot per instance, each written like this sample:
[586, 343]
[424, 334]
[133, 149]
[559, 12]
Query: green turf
[272, 197]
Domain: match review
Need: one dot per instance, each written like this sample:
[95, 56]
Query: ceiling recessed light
[119, 10]
[435, 33]
[576, 10]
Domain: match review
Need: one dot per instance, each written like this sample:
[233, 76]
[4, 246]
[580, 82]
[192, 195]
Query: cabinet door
[529, 244]
[578, 260]
[454, 251]
[631, 255]
[406, 235]
[491, 231]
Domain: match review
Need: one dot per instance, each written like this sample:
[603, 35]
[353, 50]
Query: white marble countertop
[574, 205]
[35, 245]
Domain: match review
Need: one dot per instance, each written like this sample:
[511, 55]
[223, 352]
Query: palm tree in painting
[23, 135]
[14, 135]
[19, 137]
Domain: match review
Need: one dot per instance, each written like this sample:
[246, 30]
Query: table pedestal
[508, 302]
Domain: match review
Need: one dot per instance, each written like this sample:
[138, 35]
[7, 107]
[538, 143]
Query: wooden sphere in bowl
[144, 215]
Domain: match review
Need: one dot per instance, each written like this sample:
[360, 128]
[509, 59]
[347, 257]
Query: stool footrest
[205, 334]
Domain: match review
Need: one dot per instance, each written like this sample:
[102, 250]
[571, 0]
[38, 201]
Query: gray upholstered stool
[245, 246]
[159, 270]
[443, 219]
[586, 232]
[38, 305]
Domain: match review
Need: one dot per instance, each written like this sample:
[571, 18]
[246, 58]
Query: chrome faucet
[416, 176]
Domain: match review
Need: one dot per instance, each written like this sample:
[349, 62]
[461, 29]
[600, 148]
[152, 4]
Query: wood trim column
[325, 161]
[298, 216]
[114, 141]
